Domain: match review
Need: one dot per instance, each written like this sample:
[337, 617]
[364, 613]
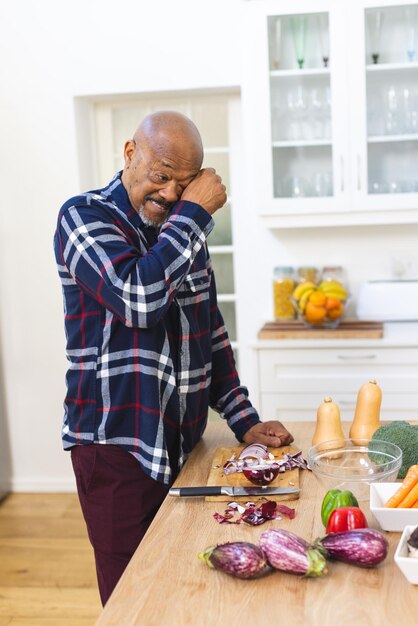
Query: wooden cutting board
[290, 478]
[296, 329]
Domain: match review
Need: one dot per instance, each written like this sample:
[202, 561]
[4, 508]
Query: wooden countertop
[166, 585]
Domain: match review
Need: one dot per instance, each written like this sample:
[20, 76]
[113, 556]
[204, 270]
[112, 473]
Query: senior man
[147, 345]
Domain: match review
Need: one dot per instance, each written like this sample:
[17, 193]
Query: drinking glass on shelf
[392, 126]
[394, 186]
[275, 42]
[378, 186]
[317, 112]
[410, 109]
[327, 112]
[321, 184]
[298, 25]
[322, 21]
[295, 187]
[297, 109]
[374, 24]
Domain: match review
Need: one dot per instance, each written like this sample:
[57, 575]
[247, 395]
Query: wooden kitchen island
[166, 585]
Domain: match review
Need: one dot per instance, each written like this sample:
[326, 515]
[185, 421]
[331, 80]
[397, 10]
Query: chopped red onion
[289, 462]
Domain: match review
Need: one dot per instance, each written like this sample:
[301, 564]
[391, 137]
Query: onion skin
[239, 558]
[364, 547]
[287, 552]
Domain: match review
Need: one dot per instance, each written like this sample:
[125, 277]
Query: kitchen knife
[231, 491]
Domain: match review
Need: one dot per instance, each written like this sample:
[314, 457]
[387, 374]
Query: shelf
[310, 71]
[388, 67]
[224, 249]
[216, 150]
[391, 138]
[302, 143]
[227, 297]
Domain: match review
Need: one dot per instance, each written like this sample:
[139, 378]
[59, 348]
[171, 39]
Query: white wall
[51, 53]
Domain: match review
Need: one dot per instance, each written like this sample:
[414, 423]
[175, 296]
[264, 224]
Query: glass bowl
[342, 464]
[326, 322]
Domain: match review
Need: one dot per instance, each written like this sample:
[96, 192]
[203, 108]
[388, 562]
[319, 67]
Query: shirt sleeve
[227, 396]
[101, 254]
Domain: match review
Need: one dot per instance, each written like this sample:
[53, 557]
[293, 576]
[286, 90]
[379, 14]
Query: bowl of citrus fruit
[320, 305]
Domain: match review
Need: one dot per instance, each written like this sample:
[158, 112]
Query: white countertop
[402, 334]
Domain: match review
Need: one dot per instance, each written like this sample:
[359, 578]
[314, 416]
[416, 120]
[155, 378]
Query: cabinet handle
[362, 357]
[358, 172]
[342, 173]
[346, 403]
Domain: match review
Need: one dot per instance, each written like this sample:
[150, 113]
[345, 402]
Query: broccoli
[405, 436]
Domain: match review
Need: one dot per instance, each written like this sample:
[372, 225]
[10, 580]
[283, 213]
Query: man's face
[155, 182]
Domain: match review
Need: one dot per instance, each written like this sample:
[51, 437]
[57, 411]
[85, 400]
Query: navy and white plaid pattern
[130, 382]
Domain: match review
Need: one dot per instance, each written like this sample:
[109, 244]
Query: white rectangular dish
[390, 519]
[407, 564]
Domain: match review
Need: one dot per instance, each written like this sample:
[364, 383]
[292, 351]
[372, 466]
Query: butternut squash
[367, 413]
[328, 425]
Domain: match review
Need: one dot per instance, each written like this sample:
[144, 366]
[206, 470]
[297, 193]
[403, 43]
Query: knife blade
[231, 491]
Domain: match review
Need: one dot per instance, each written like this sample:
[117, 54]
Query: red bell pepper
[346, 518]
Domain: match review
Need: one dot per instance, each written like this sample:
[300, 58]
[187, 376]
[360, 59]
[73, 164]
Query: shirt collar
[118, 193]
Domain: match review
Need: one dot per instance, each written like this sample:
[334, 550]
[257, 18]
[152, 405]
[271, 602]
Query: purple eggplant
[287, 552]
[364, 547]
[239, 558]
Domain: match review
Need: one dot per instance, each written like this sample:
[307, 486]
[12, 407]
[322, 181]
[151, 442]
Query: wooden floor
[47, 573]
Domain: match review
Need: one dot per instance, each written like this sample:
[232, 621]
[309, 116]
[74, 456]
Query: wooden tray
[296, 329]
[290, 478]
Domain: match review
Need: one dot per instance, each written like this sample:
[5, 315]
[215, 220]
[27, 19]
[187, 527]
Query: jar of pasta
[308, 274]
[283, 285]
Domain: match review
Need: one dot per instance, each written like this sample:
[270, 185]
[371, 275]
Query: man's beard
[148, 221]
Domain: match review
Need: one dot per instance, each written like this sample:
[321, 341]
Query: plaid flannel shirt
[128, 383]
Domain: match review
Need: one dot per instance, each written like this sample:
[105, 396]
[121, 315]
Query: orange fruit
[314, 314]
[334, 314]
[332, 303]
[318, 298]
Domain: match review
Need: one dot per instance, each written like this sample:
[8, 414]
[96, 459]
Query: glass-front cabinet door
[295, 99]
[385, 74]
[330, 102]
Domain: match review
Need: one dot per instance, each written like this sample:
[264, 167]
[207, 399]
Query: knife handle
[195, 491]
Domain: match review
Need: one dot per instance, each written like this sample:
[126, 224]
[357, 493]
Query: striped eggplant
[364, 547]
[239, 558]
[287, 552]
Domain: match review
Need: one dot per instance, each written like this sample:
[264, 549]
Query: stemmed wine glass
[275, 37]
[322, 19]
[374, 22]
[299, 26]
[411, 32]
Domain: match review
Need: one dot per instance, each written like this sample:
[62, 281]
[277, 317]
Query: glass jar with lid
[284, 282]
[334, 273]
[308, 274]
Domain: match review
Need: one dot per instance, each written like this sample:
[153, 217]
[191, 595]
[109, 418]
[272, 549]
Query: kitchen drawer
[338, 370]
[337, 356]
[299, 380]
[304, 406]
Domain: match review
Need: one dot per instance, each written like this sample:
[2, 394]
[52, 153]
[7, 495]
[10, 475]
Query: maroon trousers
[119, 502]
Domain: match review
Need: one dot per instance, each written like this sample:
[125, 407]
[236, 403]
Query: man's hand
[207, 190]
[272, 434]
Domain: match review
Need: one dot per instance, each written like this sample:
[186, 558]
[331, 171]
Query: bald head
[170, 133]
[164, 156]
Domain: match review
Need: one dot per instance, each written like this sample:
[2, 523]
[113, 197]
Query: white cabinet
[330, 101]
[293, 381]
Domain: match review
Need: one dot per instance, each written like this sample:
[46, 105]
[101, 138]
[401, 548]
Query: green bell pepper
[334, 499]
